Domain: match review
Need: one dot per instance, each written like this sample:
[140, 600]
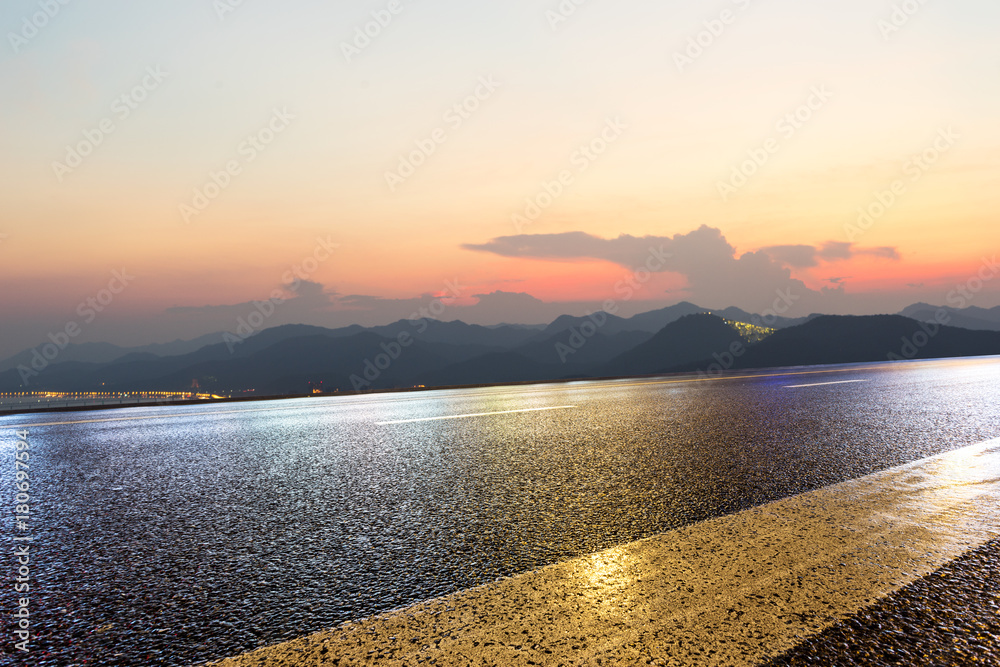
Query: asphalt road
[736, 590]
[180, 534]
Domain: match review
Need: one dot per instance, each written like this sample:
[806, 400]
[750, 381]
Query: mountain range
[292, 359]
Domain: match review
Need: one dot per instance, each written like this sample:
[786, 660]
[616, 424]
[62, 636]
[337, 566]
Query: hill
[837, 339]
[692, 338]
[287, 359]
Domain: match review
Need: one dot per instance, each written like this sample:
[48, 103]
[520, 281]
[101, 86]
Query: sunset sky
[552, 152]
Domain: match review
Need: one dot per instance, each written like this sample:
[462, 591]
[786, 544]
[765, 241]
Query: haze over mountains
[293, 358]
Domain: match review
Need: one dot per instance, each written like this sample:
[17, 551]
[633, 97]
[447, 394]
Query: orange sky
[832, 107]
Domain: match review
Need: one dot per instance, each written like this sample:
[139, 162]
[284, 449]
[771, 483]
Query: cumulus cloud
[797, 256]
[313, 303]
[487, 309]
[306, 296]
[805, 256]
[511, 307]
[715, 273]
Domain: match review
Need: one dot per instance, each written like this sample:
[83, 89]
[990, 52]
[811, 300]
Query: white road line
[127, 419]
[735, 590]
[592, 384]
[475, 414]
[821, 384]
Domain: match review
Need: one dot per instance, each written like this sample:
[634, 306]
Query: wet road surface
[733, 591]
[950, 617]
[177, 535]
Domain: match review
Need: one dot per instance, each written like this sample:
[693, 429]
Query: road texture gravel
[950, 617]
[177, 535]
[730, 591]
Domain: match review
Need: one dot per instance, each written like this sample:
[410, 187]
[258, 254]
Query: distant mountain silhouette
[980, 319]
[495, 367]
[845, 338]
[458, 333]
[286, 359]
[106, 352]
[690, 339]
[612, 324]
[655, 320]
[772, 321]
[565, 348]
[289, 365]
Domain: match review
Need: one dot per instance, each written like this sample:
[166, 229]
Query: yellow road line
[734, 590]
